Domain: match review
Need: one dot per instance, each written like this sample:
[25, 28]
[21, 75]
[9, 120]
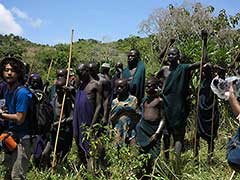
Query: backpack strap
[15, 96]
[29, 111]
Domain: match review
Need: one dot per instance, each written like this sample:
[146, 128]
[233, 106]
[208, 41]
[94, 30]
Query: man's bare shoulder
[94, 82]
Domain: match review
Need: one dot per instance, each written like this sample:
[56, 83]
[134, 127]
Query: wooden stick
[165, 54]
[198, 94]
[31, 66]
[213, 115]
[49, 69]
[233, 173]
[63, 101]
[48, 74]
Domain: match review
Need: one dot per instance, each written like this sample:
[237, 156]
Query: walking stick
[203, 58]
[63, 101]
[233, 173]
[48, 74]
[165, 53]
[212, 126]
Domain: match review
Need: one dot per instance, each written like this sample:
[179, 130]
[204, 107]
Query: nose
[9, 73]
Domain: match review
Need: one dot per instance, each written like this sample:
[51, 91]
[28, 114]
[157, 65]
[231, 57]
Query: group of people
[119, 102]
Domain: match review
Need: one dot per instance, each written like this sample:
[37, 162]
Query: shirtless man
[65, 135]
[105, 83]
[86, 110]
[52, 90]
[150, 127]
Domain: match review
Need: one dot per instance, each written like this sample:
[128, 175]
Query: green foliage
[185, 25]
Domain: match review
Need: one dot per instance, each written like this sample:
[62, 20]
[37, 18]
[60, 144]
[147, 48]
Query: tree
[186, 24]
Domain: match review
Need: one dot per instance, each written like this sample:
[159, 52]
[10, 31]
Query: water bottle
[220, 87]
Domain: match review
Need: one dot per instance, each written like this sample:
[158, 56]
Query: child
[150, 127]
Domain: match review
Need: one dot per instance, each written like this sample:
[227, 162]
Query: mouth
[9, 78]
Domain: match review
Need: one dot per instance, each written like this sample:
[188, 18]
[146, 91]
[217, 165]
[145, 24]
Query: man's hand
[1, 112]
[154, 137]
[171, 41]
[68, 89]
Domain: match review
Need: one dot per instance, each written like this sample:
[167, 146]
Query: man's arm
[19, 117]
[106, 94]
[233, 101]
[98, 102]
[163, 52]
[22, 103]
[161, 125]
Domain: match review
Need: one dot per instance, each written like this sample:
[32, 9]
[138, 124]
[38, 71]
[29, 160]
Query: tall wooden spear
[212, 126]
[165, 50]
[63, 102]
[204, 35]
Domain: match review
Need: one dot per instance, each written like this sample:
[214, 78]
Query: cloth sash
[138, 81]
[205, 112]
[145, 129]
[175, 94]
[82, 116]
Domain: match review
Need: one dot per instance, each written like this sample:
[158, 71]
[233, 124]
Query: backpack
[233, 151]
[40, 113]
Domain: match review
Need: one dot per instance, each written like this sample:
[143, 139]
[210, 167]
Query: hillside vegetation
[185, 26]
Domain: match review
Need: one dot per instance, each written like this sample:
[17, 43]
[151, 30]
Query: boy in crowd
[149, 129]
[123, 115]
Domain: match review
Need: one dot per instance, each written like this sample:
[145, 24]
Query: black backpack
[40, 113]
[233, 152]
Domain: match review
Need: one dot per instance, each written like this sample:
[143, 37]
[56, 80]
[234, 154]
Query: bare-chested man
[105, 80]
[66, 131]
[86, 109]
[105, 83]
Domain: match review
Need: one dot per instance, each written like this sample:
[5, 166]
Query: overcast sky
[51, 21]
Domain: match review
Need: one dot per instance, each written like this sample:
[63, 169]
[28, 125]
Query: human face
[119, 67]
[82, 71]
[35, 83]
[61, 73]
[151, 88]
[132, 59]
[9, 74]
[59, 86]
[94, 69]
[121, 87]
[173, 55]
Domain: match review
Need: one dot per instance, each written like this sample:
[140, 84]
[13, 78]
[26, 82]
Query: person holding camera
[18, 102]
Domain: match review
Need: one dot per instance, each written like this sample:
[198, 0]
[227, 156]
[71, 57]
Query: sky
[51, 21]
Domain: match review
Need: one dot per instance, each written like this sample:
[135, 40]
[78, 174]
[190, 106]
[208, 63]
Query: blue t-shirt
[23, 100]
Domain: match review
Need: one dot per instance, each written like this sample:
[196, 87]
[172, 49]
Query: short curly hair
[17, 65]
